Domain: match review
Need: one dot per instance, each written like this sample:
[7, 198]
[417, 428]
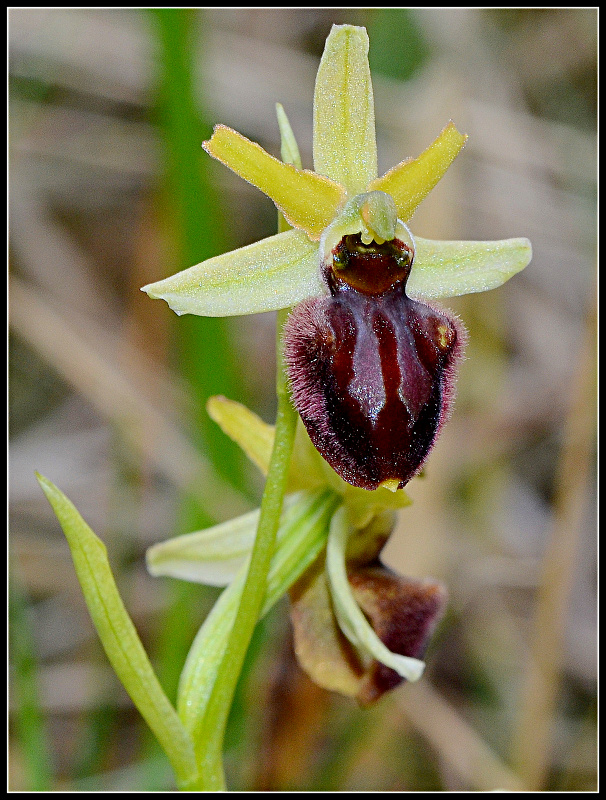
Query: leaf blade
[118, 635]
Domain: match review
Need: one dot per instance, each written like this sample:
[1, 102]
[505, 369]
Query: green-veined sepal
[345, 147]
[271, 274]
[449, 269]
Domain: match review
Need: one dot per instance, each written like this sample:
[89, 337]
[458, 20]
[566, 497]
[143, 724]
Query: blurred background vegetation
[109, 190]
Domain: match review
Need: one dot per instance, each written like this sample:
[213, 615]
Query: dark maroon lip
[371, 370]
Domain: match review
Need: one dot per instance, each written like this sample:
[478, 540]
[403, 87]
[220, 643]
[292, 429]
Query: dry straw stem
[461, 748]
[109, 390]
[533, 738]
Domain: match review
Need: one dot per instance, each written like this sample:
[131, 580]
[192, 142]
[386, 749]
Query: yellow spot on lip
[444, 336]
[391, 483]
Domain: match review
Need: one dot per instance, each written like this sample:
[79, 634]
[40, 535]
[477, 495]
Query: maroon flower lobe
[404, 614]
[371, 370]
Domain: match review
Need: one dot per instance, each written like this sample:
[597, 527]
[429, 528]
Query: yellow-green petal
[411, 181]
[308, 201]
[449, 269]
[345, 147]
[273, 273]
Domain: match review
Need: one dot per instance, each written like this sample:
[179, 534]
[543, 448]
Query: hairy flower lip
[372, 378]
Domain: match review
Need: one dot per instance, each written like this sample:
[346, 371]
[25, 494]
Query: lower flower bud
[404, 614]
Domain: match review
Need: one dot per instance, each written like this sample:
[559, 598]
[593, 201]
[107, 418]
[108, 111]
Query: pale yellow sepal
[345, 147]
[275, 273]
[449, 269]
[410, 181]
[307, 200]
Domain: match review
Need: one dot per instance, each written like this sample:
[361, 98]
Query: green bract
[283, 270]
[119, 637]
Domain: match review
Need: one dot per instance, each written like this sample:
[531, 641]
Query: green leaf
[275, 273]
[449, 269]
[345, 147]
[119, 637]
[351, 620]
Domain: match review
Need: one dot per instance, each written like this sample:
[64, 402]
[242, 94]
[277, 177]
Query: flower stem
[209, 747]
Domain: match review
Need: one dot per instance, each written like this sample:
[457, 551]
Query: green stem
[209, 747]
[29, 716]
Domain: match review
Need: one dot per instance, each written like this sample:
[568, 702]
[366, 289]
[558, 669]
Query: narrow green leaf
[119, 637]
[449, 269]
[345, 147]
[275, 273]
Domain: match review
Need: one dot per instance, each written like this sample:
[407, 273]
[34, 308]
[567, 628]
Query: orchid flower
[370, 362]
[371, 366]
